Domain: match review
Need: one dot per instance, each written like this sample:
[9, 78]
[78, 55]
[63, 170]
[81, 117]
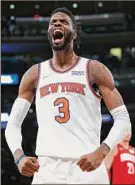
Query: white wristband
[13, 129]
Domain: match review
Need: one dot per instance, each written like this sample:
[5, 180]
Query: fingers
[33, 163]
[28, 166]
[86, 165]
[81, 161]
[30, 170]
[90, 168]
[33, 159]
[27, 174]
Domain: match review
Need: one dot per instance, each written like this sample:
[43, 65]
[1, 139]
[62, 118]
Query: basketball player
[68, 112]
[120, 163]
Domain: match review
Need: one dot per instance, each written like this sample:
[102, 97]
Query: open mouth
[58, 36]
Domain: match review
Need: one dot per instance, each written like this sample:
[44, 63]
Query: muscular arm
[104, 79]
[28, 84]
[114, 102]
[20, 109]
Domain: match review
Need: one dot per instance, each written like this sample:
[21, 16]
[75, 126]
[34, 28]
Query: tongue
[57, 41]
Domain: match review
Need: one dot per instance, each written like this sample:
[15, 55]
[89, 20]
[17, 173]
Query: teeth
[57, 30]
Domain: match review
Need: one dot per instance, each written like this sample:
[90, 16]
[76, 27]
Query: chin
[57, 48]
[60, 47]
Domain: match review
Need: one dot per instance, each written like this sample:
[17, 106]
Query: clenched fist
[93, 160]
[28, 166]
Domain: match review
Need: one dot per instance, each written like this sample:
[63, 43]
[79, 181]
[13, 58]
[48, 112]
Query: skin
[63, 60]
[110, 157]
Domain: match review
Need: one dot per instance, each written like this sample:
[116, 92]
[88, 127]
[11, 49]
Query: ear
[75, 35]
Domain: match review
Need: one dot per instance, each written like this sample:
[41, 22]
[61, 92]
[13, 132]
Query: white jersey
[68, 112]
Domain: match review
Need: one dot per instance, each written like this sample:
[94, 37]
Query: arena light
[100, 4]
[75, 5]
[12, 6]
[12, 18]
[9, 79]
[4, 117]
[37, 6]
[116, 52]
[4, 120]
[106, 118]
[117, 83]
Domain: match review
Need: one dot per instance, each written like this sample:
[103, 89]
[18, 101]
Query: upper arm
[28, 83]
[104, 79]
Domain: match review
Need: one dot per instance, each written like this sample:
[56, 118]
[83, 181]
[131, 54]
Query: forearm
[121, 127]
[13, 137]
[108, 161]
[109, 158]
[13, 129]
[18, 153]
[103, 150]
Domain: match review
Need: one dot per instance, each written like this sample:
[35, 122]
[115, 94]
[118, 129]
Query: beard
[65, 45]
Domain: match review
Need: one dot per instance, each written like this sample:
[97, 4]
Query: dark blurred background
[109, 38]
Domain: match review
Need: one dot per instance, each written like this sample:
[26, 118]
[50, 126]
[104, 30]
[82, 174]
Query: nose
[57, 23]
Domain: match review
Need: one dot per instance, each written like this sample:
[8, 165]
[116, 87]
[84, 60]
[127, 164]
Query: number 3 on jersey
[64, 109]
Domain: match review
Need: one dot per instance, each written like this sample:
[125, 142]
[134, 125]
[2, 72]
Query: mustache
[68, 37]
[68, 34]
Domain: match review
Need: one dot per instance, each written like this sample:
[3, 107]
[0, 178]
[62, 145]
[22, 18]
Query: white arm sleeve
[13, 129]
[121, 127]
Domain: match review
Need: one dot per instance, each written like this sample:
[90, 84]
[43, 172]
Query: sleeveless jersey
[123, 168]
[68, 112]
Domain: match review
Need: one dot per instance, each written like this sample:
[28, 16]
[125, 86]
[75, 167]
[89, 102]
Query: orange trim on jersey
[88, 81]
[38, 78]
[57, 71]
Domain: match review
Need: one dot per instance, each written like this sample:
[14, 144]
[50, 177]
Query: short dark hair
[76, 25]
[67, 12]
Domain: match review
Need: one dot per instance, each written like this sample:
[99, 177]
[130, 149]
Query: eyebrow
[61, 19]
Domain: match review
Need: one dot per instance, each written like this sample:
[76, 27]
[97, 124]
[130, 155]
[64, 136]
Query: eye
[65, 22]
[52, 21]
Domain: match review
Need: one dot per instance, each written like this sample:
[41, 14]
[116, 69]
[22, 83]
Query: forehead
[61, 15]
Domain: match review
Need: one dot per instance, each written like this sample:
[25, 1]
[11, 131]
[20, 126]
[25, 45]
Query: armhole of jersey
[89, 82]
[38, 77]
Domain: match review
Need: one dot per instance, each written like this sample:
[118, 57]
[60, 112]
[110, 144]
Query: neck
[125, 144]
[64, 58]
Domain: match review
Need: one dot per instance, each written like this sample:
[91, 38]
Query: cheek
[50, 29]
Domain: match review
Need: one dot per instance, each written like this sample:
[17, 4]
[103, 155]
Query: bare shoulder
[104, 80]
[31, 73]
[28, 83]
[101, 74]
[30, 76]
